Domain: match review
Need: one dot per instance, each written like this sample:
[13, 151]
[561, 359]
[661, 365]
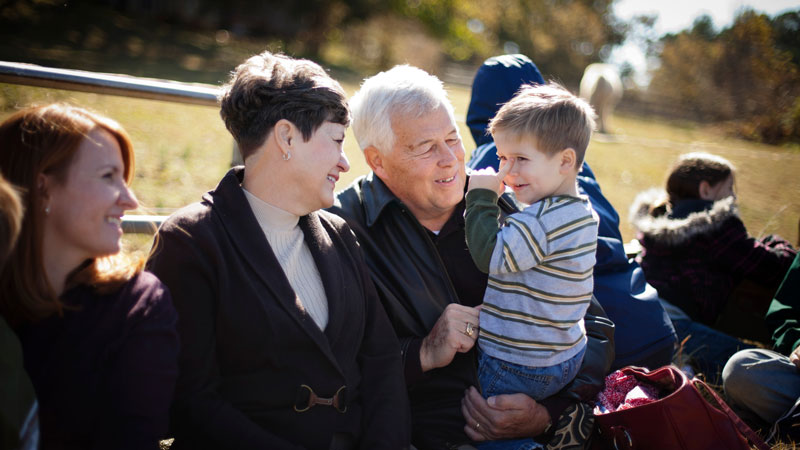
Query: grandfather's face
[425, 168]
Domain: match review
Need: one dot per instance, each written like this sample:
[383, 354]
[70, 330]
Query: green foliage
[740, 76]
[562, 36]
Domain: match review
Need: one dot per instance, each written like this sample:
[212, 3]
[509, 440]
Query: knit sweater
[540, 276]
[286, 239]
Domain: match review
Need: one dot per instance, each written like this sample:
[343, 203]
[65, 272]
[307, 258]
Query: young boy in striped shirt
[532, 337]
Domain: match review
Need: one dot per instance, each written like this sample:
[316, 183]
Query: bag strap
[746, 431]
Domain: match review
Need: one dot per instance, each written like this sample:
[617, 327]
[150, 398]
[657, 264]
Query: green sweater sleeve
[481, 221]
[783, 316]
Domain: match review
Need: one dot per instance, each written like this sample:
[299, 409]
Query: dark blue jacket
[644, 334]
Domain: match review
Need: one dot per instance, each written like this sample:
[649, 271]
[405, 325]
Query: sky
[677, 15]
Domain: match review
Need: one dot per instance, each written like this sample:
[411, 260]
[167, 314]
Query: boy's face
[534, 175]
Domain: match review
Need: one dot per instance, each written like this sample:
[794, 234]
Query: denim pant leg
[710, 349]
[500, 377]
[762, 381]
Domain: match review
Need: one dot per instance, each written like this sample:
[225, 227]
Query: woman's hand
[502, 416]
[455, 332]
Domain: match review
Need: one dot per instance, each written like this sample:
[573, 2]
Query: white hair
[402, 90]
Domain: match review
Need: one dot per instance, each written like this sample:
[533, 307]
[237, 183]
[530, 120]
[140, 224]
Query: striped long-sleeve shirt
[540, 265]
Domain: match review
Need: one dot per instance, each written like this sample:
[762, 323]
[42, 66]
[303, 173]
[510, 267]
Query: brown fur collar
[671, 231]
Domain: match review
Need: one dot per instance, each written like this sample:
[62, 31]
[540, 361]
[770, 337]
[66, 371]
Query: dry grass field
[182, 151]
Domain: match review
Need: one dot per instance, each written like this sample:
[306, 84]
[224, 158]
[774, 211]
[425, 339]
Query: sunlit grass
[182, 151]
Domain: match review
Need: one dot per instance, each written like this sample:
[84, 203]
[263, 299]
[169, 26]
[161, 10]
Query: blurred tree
[740, 75]
[787, 34]
[562, 36]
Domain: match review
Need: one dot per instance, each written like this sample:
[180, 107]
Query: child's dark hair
[687, 173]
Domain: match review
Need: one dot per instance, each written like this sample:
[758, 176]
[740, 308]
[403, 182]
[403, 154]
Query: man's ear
[374, 160]
[568, 158]
[704, 190]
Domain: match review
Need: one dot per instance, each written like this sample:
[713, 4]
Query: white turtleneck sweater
[286, 239]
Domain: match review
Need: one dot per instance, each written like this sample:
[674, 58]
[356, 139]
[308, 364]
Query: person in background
[408, 215]
[696, 250]
[644, 335]
[540, 260]
[285, 344]
[98, 334]
[19, 419]
[767, 382]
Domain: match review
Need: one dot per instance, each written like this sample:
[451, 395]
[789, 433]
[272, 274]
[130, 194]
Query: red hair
[44, 140]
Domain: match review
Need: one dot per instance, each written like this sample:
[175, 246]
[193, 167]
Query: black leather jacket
[414, 287]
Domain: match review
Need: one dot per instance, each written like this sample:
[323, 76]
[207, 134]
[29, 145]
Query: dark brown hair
[685, 176]
[269, 87]
[44, 140]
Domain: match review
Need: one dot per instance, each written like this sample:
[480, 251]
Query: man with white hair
[408, 216]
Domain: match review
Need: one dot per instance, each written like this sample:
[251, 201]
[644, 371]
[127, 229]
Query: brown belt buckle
[302, 404]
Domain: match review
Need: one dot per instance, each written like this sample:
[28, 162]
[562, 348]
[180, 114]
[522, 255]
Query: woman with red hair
[98, 333]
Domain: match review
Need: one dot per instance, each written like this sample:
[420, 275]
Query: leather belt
[306, 399]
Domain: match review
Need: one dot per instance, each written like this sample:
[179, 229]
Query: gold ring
[469, 330]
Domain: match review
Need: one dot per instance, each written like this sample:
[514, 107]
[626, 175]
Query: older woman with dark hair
[285, 343]
[98, 334]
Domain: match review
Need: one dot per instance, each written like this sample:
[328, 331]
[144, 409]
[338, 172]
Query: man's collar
[376, 195]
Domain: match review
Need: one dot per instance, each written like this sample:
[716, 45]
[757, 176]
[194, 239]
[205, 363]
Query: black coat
[415, 288]
[247, 348]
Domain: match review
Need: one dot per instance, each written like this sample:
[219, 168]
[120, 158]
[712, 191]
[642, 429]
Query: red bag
[682, 419]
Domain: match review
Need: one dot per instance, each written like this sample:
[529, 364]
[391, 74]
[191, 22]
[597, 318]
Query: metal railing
[119, 85]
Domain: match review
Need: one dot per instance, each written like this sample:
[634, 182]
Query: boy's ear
[375, 161]
[568, 158]
[704, 190]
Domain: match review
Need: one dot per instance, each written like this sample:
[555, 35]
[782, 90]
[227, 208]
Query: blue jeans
[710, 349]
[501, 377]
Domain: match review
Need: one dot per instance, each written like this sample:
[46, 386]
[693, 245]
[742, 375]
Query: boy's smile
[534, 175]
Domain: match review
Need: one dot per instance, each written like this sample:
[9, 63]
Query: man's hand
[795, 356]
[455, 331]
[489, 179]
[502, 416]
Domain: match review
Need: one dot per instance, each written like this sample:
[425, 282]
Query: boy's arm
[482, 226]
[482, 213]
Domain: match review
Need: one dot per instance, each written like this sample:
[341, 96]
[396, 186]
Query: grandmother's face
[318, 164]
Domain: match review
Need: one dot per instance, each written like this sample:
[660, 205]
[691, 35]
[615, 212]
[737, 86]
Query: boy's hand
[489, 179]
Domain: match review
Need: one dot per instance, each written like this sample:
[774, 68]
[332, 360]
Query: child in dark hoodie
[696, 248]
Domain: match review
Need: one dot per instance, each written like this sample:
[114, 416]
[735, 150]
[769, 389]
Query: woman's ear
[42, 185]
[705, 191]
[285, 134]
